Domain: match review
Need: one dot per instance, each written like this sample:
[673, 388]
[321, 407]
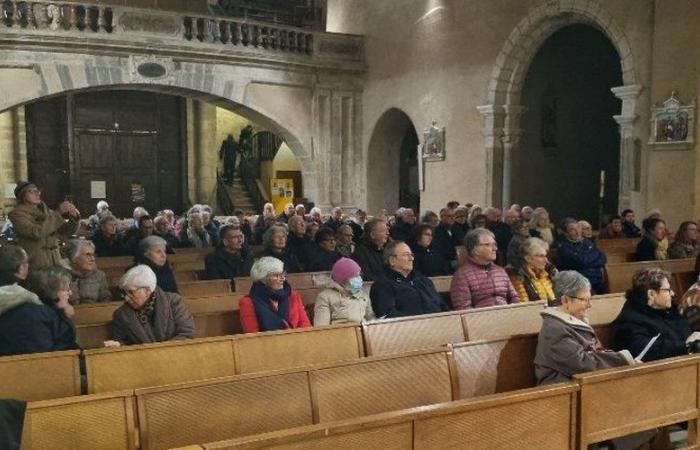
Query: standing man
[228, 152]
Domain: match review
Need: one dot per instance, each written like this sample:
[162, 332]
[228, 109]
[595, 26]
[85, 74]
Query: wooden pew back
[619, 275]
[90, 422]
[40, 376]
[502, 321]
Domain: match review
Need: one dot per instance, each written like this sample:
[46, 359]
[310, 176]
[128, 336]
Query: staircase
[240, 196]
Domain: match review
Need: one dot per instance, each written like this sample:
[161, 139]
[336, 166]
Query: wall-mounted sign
[98, 189]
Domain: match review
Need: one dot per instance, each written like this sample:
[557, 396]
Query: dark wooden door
[47, 149]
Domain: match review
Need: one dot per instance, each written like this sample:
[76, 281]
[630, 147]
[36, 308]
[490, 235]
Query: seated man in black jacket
[231, 257]
[369, 251]
[401, 291]
[107, 239]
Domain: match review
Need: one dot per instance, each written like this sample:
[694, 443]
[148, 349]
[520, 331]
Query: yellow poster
[281, 193]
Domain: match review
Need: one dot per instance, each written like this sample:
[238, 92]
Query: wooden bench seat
[89, 422]
[40, 376]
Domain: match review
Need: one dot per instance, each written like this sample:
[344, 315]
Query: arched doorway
[392, 161]
[570, 140]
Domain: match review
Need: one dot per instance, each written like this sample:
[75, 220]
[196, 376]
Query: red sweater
[297, 313]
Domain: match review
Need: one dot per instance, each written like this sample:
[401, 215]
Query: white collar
[555, 311]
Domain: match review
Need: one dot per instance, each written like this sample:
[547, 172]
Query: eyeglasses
[130, 292]
[489, 244]
[584, 300]
[669, 290]
[278, 275]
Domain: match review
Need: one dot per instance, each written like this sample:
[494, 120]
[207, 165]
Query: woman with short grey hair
[89, 284]
[532, 277]
[567, 344]
[37, 321]
[274, 242]
[152, 252]
[271, 304]
[149, 314]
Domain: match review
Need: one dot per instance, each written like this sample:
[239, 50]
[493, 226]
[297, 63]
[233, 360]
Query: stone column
[511, 145]
[493, 144]
[321, 149]
[13, 150]
[202, 154]
[626, 119]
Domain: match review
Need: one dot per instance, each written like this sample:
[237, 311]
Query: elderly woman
[38, 228]
[567, 344]
[654, 245]
[272, 304]
[461, 225]
[153, 253]
[89, 284]
[586, 229]
[324, 254]
[686, 243]
[533, 278]
[649, 310]
[401, 291]
[195, 235]
[37, 321]
[343, 300]
[275, 244]
[149, 314]
[541, 225]
[521, 232]
[426, 260]
[578, 253]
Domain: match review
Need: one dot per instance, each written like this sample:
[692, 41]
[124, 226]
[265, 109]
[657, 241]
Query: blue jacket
[584, 257]
[394, 295]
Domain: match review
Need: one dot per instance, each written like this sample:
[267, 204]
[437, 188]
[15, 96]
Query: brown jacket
[38, 230]
[172, 321]
[92, 288]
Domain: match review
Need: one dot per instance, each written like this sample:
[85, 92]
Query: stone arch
[193, 80]
[383, 159]
[503, 109]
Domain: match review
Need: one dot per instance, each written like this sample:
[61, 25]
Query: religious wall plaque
[434, 143]
[672, 125]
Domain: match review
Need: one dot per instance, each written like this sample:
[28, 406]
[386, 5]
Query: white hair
[75, 246]
[315, 210]
[264, 267]
[139, 212]
[102, 205]
[140, 276]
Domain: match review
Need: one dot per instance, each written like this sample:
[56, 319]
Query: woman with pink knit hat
[343, 300]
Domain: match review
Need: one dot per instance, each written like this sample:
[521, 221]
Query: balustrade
[231, 32]
[56, 16]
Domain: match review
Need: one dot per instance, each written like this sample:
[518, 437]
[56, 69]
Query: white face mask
[355, 284]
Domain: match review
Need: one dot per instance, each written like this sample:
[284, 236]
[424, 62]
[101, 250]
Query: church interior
[414, 224]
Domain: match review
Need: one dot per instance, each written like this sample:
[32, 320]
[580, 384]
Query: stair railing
[223, 198]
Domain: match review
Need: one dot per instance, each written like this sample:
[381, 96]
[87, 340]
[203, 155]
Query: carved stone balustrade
[66, 24]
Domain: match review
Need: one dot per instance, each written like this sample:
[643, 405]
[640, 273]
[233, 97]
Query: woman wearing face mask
[343, 300]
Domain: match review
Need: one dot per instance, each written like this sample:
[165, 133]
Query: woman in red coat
[272, 304]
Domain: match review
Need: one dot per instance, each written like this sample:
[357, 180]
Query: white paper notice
[10, 190]
[98, 189]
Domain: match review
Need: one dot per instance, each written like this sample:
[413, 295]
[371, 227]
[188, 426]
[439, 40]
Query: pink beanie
[344, 269]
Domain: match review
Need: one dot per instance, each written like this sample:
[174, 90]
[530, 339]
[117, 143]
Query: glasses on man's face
[669, 290]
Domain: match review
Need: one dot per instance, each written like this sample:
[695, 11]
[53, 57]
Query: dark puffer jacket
[394, 295]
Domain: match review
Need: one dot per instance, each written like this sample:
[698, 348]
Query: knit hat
[343, 270]
[21, 185]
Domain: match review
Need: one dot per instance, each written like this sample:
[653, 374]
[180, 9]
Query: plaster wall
[434, 59]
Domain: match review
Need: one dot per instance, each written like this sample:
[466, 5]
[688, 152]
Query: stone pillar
[202, 154]
[629, 96]
[493, 144]
[13, 150]
[511, 146]
[321, 150]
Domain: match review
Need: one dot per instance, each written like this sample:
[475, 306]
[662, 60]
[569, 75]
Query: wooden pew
[383, 337]
[492, 422]
[130, 367]
[619, 275]
[204, 288]
[617, 246]
[89, 422]
[298, 281]
[502, 321]
[40, 376]
[605, 309]
[622, 401]
[682, 282]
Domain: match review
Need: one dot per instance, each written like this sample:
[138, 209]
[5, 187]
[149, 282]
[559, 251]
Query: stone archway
[502, 112]
[47, 75]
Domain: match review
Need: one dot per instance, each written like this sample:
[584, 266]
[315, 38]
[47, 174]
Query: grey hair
[140, 276]
[193, 215]
[139, 212]
[270, 234]
[530, 245]
[149, 242]
[315, 210]
[390, 250]
[264, 267]
[473, 238]
[47, 281]
[11, 257]
[106, 218]
[75, 246]
[568, 282]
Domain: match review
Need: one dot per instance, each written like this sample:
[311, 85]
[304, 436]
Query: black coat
[444, 241]
[370, 259]
[302, 248]
[333, 224]
[638, 323]
[631, 230]
[11, 423]
[165, 278]
[290, 260]
[429, 262]
[30, 325]
[322, 260]
[646, 250]
[112, 247]
[226, 265]
[401, 231]
[394, 295]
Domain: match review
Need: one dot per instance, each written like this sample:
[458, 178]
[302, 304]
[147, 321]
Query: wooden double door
[123, 146]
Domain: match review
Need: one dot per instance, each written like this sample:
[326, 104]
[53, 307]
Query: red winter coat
[297, 313]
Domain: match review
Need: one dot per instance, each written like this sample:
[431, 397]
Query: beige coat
[38, 230]
[91, 288]
[336, 304]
